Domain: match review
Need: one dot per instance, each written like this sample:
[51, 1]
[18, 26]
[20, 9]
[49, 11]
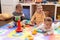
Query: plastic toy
[30, 37]
[34, 32]
[39, 1]
[19, 27]
[41, 31]
[17, 18]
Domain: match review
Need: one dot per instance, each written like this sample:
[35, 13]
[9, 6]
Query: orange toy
[38, 0]
[19, 28]
[34, 32]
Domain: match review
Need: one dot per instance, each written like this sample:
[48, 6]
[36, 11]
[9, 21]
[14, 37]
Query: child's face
[20, 8]
[48, 24]
[39, 9]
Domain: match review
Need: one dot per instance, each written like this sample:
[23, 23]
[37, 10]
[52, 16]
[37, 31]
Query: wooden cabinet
[58, 13]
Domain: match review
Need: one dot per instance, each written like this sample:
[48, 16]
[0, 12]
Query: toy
[11, 25]
[34, 32]
[39, 1]
[30, 37]
[17, 18]
[41, 31]
[19, 28]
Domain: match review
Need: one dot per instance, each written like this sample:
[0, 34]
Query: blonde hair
[39, 6]
[48, 19]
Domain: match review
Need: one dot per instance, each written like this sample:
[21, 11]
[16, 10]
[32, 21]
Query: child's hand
[32, 22]
[51, 34]
[45, 34]
[10, 26]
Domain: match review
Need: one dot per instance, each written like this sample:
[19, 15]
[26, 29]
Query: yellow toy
[30, 37]
[34, 32]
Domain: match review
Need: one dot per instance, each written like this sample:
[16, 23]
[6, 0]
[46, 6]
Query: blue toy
[41, 31]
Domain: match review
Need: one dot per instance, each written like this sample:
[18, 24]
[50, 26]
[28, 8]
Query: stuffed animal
[5, 16]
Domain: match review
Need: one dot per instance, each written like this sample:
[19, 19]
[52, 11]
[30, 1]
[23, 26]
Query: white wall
[8, 6]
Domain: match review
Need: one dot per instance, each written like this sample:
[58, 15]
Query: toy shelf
[30, 8]
[57, 14]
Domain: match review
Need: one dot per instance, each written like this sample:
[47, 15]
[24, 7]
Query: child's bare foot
[45, 34]
[51, 34]
[10, 26]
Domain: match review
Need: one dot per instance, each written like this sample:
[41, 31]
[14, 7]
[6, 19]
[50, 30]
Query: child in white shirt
[47, 27]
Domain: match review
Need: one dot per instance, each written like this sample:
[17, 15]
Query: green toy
[17, 18]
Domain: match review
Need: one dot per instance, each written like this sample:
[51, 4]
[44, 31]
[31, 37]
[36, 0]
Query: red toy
[19, 27]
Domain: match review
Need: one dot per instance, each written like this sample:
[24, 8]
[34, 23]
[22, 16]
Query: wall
[0, 6]
[8, 6]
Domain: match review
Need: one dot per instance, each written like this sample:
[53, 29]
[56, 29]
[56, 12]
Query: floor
[6, 33]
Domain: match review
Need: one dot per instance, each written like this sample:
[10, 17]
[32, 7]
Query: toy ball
[34, 32]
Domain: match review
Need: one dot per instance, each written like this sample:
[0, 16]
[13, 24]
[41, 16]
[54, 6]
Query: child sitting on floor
[38, 16]
[18, 12]
[47, 27]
